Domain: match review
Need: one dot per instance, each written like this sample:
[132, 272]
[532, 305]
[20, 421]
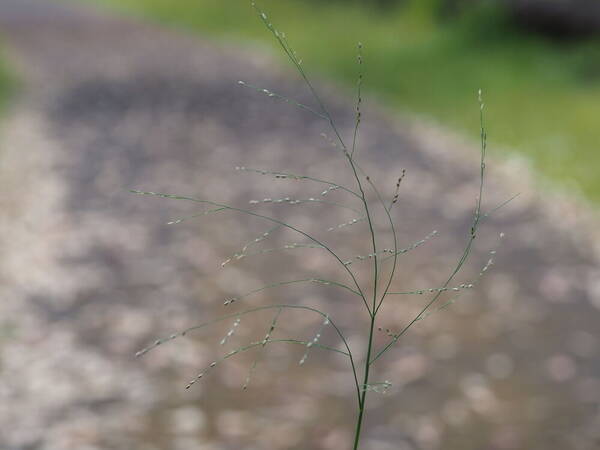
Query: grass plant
[383, 260]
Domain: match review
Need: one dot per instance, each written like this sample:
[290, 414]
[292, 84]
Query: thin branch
[397, 192]
[254, 241]
[321, 281]
[292, 176]
[347, 224]
[358, 100]
[473, 233]
[412, 246]
[194, 216]
[501, 205]
[270, 219]
[282, 97]
[184, 332]
[238, 256]
[266, 339]
[291, 201]
[260, 343]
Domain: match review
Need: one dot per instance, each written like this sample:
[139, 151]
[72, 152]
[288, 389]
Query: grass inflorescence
[380, 262]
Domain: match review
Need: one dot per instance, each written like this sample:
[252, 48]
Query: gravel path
[91, 273]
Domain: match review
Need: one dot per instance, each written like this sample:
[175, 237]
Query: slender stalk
[363, 395]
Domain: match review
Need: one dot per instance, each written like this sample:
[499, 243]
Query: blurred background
[101, 96]
[428, 57]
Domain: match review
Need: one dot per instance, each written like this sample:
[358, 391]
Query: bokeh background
[102, 96]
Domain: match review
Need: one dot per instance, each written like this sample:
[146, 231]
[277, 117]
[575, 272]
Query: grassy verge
[544, 96]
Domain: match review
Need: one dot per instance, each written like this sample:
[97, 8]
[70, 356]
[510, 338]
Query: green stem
[363, 396]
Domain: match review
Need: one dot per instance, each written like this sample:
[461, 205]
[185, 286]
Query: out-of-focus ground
[91, 273]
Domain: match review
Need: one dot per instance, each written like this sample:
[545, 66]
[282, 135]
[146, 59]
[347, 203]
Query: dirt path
[91, 273]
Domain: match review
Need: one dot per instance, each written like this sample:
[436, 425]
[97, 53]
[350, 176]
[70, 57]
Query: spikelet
[314, 341]
[231, 331]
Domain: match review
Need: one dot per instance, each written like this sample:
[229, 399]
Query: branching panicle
[373, 296]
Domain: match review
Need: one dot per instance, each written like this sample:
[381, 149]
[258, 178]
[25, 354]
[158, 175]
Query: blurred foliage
[6, 80]
[430, 57]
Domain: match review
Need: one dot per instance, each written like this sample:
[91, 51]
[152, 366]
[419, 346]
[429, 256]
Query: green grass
[6, 81]
[544, 96]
